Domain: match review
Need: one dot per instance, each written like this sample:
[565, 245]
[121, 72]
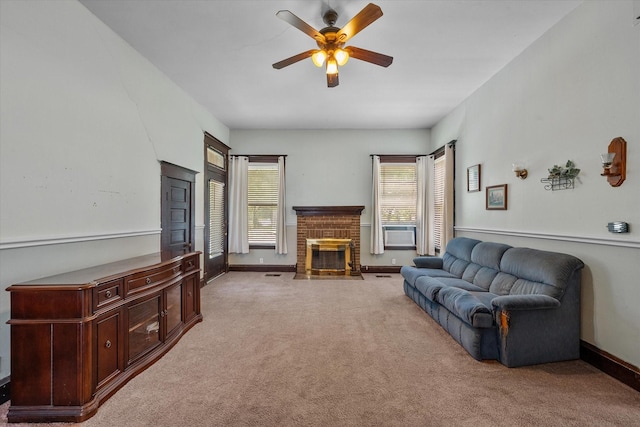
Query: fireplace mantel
[327, 210]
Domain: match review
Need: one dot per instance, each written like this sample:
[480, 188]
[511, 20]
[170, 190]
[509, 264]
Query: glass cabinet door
[144, 326]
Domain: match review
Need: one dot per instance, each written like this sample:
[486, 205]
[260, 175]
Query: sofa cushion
[467, 306]
[458, 255]
[502, 283]
[539, 272]
[461, 284]
[429, 286]
[485, 263]
[428, 262]
[410, 273]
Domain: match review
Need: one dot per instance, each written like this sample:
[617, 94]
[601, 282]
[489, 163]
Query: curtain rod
[450, 143]
[259, 155]
[398, 155]
[441, 149]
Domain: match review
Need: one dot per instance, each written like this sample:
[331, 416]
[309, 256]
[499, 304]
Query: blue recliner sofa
[520, 306]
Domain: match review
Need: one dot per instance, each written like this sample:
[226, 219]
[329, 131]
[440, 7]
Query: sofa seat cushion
[461, 284]
[410, 274]
[473, 308]
[429, 286]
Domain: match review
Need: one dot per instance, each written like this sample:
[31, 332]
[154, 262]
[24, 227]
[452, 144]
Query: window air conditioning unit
[405, 236]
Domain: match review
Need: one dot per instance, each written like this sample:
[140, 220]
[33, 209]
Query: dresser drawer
[148, 278]
[106, 293]
[191, 263]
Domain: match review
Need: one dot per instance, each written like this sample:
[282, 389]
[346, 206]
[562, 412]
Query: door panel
[177, 211]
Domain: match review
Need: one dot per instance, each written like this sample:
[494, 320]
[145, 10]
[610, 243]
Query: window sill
[400, 248]
[262, 246]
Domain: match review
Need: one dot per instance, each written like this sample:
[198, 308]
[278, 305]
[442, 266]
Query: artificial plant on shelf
[569, 170]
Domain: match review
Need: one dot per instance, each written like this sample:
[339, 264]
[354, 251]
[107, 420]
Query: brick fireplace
[331, 223]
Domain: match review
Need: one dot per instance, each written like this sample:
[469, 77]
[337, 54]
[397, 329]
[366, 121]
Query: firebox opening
[328, 256]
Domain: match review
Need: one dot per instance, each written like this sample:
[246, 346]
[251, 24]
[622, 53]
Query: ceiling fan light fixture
[318, 57]
[332, 66]
[341, 56]
[331, 51]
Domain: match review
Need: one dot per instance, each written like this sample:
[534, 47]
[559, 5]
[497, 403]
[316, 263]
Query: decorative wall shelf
[560, 183]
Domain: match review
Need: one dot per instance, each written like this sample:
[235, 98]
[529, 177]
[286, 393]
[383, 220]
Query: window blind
[398, 193]
[216, 219]
[438, 200]
[262, 203]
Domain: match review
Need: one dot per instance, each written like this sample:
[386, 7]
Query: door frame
[220, 175]
[171, 171]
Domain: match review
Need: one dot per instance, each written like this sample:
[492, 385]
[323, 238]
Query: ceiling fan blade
[332, 80]
[293, 59]
[292, 19]
[366, 16]
[369, 56]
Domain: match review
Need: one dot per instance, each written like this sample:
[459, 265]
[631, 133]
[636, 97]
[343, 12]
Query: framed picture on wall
[497, 197]
[473, 178]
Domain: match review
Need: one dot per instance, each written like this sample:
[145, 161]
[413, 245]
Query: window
[398, 201]
[439, 167]
[262, 203]
[398, 193]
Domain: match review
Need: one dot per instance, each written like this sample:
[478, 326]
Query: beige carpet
[277, 351]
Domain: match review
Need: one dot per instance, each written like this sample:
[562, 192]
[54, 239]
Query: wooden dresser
[76, 338]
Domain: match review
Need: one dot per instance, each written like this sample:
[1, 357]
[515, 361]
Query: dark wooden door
[177, 211]
[215, 257]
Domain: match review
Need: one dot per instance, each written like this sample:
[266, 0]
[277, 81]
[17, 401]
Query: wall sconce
[520, 171]
[614, 162]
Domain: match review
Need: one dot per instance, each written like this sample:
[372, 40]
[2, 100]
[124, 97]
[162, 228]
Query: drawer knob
[107, 294]
[190, 263]
[107, 344]
[189, 293]
[147, 280]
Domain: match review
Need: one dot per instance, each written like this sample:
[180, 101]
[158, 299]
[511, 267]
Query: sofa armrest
[428, 262]
[524, 302]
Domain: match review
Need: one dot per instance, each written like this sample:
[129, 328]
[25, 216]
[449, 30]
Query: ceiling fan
[331, 40]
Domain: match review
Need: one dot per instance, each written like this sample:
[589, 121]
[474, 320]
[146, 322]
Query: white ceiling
[220, 52]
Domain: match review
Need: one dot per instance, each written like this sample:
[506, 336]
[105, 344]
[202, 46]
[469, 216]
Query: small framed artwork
[473, 178]
[497, 197]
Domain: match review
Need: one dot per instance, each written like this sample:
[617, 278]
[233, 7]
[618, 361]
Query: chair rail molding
[77, 238]
[552, 236]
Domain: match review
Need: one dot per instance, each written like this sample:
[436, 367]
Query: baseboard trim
[5, 390]
[263, 268]
[624, 372]
[380, 269]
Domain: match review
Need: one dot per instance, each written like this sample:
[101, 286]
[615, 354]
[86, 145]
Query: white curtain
[281, 226]
[447, 226]
[238, 205]
[425, 244]
[377, 238]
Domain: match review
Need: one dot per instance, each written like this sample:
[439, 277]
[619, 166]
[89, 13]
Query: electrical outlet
[393, 261]
[261, 260]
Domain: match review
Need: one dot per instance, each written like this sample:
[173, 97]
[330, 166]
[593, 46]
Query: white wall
[85, 122]
[328, 168]
[565, 97]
